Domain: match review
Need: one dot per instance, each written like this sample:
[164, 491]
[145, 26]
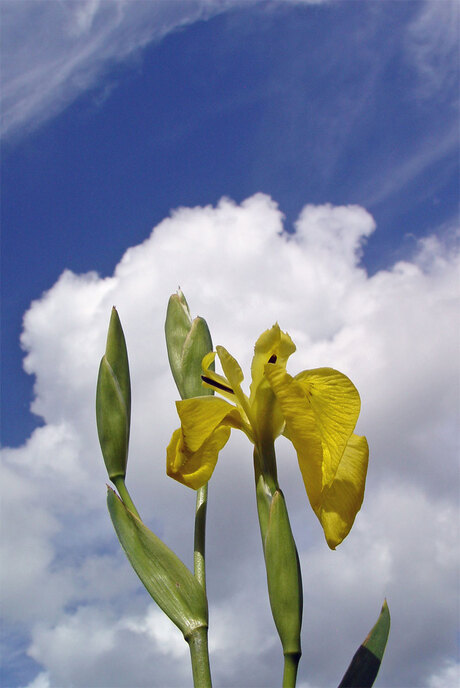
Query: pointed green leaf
[365, 665]
[167, 579]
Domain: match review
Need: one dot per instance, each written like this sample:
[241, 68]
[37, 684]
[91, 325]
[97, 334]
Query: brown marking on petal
[217, 385]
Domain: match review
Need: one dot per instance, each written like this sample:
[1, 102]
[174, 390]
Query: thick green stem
[198, 643]
[291, 663]
[119, 483]
[200, 536]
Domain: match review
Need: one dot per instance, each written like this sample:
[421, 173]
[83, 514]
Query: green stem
[291, 663]
[119, 483]
[200, 536]
[198, 643]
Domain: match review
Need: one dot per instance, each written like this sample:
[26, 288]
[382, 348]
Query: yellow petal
[336, 504]
[272, 344]
[341, 501]
[231, 367]
[199, 417]
[214, 381]
[194, 469]
[335, 403]
[301, 429]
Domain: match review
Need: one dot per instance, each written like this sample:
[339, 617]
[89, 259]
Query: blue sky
[117, 113]
[325, 103]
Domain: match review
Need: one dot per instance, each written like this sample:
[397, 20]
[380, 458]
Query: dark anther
[272, 358]
[217, 385]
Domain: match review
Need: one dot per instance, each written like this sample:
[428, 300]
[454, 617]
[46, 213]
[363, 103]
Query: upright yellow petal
[231, 367]
[335, 403]
[341, 501]
[194, 469]
[199, 417]
[214, 381]
[272, 344]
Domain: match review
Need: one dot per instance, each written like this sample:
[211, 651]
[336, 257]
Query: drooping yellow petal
[272, 344]
[341, 501]
[336, 504]
[200, 416]
[194, 469]
[335, 403]
[301, 429]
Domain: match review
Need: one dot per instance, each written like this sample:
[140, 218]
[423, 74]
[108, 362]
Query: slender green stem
[198, 643]
[291, 663]
[200, 536]
[119, 483]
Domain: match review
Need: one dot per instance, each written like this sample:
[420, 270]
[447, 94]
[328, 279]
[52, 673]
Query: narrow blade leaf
[167, 579]
[365, 665]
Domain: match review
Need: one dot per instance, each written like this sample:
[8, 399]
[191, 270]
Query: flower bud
[113, 401]
[187, 341]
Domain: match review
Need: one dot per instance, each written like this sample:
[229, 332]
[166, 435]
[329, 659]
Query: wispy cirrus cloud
[432, 43]
[53, 51]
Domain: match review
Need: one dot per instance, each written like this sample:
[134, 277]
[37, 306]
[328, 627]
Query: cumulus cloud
[88, 621]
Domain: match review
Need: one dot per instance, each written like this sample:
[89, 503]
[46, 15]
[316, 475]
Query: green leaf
[365, 665]
[167, 579]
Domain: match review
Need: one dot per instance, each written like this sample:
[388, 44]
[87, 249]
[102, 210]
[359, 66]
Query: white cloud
[89, 621]
[432, 48]
[40, 681]
[53, 51]
[446, 677]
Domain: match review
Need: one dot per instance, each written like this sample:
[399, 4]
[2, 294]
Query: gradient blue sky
[116, 113]
[348, 102]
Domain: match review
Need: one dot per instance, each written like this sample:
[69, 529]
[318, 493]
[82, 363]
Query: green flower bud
[187, 341]
[113, 401]
[283, 576]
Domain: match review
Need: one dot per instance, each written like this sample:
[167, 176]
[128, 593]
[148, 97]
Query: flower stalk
[188, 341]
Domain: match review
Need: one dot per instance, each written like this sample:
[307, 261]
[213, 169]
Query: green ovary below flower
[316, 410]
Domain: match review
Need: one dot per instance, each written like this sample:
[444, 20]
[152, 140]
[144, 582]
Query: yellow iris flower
[316, 410]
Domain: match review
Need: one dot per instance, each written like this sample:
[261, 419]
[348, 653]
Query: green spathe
[283, 576]
[113, 401]
[187, 341]
[167, 579]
